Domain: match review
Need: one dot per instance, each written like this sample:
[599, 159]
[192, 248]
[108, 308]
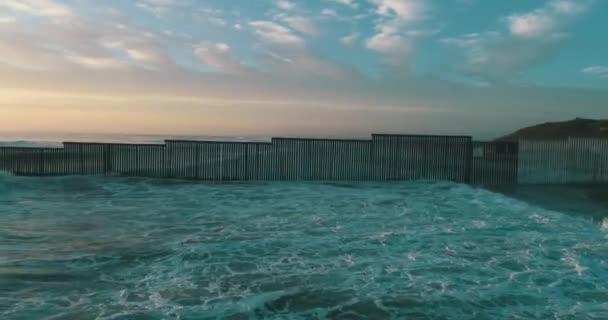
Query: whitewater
[123, 248]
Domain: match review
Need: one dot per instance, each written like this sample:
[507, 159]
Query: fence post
[106, 159]
[246, 160]
[41, 162]
[81, 158]
[469, 162]
[257, 161]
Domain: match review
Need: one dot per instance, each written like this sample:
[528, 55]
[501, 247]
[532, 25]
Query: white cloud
[238, 26]
[496, 55]
[299, 23]
[532, 38]
[473, 45]
[600, 71]
[596, 70]
[216, 21]
[422, 32]
[277, 57]
[350, 39]
[329, 12]
[45, 8]
[142, 54]
[79, 42]
[218, 56]
[545, 20]
[214, 17]
[156, 10]
[300, 64]
[531, 24]
[95, 62]
[349, 3]
[393, 37]
[569, 7]
[402, 10]
[140, 51]
[388, 43]
[274, 33]
[157, 7]
[7, 20]
[285, 5]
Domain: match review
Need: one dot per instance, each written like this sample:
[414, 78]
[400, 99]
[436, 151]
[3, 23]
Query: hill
[587, 128]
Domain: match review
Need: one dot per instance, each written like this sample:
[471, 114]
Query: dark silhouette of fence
[383, 158]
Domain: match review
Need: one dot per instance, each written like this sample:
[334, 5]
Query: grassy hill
[587, 128]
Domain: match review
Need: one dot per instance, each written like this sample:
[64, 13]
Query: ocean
[126, 248]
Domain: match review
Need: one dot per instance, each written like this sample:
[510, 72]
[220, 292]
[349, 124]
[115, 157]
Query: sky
[334, 68]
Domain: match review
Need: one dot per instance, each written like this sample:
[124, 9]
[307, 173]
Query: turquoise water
[113, 248]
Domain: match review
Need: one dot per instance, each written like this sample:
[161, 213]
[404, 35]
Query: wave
[163, 249]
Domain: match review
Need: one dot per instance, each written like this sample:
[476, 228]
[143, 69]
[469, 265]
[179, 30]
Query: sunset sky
[309, 68]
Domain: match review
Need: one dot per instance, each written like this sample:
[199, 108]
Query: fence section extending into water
[494, 163]
[574, 160]
[382, 158]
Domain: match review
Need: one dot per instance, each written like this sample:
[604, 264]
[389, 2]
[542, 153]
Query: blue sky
[287, 67]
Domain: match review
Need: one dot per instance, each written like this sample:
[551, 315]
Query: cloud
[545, 20]
[533, 24]
[141, 48]
[285, 86]
[46, 8]
[349, 40]
[401, 10]
[217, 21]
[599, 71]
[214, 17]
[285, 5]
[329, 12]
[275, 33]
[18, 52]
[206, 103]
[494, 55]
[532, 38]
[392, 38]
[300, 66]
[73, 41]
[389, 43]
[156, 7]
[162, 4]
[219, 57]
[570, 7]
[349, 3]
[301, 24]
[8, 20]
[160, 7]
[97, 63]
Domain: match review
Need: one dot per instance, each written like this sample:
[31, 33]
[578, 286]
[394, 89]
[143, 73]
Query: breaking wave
[122, 248]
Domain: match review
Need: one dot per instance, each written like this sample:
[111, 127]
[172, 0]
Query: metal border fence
[382, 158]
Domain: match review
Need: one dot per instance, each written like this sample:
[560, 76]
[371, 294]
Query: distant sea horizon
[55, 139]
